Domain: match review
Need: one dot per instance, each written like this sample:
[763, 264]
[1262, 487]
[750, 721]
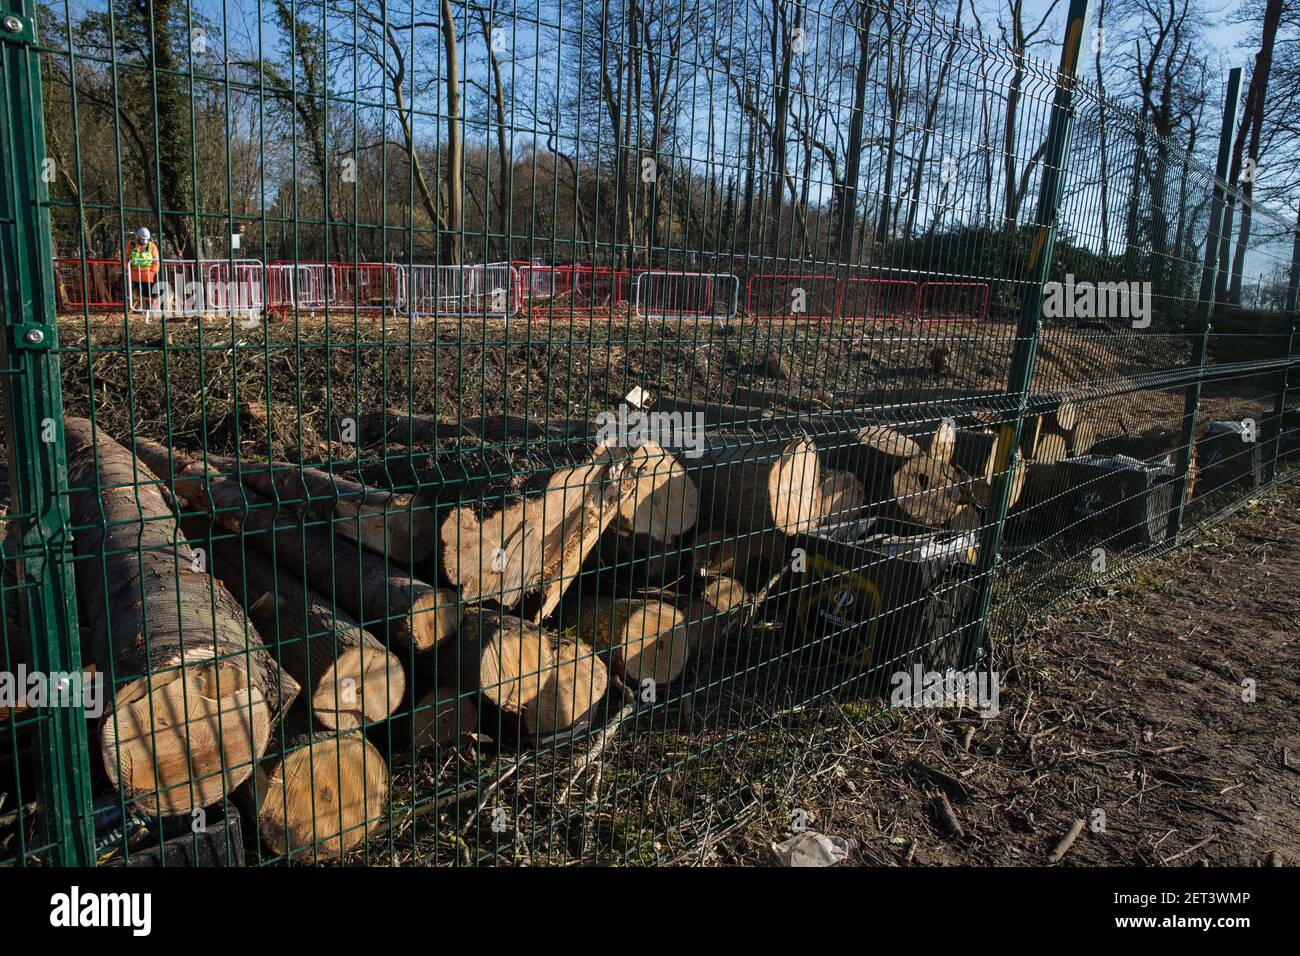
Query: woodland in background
[624, 132]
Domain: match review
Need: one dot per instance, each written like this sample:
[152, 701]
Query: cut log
[932, 438]
[497, 557]
[756, 485]
[441, 717]
[631, 562]
[664, 503]
[925, 492]
[587, 498]
[394, 606]
[710, 609]
[943, 442]
[541, 541]
[1083, 437]
[392, 427]
[505, 658]
[320, 795]
[528, 672]
[1066, 416]
[980, 490]
[1051, 447]
[571, 692]
[749, 558]
[842, 495]
[646, 639]
[398, 525]
[196, 693]
[350, 678]
[873, 453]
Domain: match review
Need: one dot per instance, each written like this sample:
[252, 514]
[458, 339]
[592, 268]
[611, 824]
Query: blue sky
[1226, 38]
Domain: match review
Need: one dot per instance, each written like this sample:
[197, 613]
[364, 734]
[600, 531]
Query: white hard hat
[142, 234]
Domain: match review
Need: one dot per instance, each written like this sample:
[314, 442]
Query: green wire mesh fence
[522, 430]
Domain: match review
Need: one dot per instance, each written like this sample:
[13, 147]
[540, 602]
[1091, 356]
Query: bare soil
[274, 389]
[1161, 710]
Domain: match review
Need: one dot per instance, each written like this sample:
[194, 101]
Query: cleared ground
[1134, 701]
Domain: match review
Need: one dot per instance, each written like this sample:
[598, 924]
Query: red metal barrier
[97, 288]
[953, 301]
[777, 296]
[877, 300]
[581, 291]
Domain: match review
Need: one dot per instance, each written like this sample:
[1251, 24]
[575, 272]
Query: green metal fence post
[1205, 300]
[1031, 318]
[1279, 408]
[34, 427]
[1293, 278]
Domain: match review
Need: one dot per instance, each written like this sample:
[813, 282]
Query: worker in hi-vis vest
[143, 262]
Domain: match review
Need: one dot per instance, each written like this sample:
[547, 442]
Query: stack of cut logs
[257, 617]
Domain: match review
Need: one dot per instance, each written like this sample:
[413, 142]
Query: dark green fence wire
[929, 334]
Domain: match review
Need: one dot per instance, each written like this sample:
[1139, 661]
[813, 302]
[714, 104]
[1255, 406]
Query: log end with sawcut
[321, 797]
[646, 639]
[571, 691]
[926, 492]
[843, 496]
[711, 609]
[505, 657]
[362, 686]
[197, 693]
[762, 485]
[529, 672]
[496, 557]
[794, 488]
[421, 617]
[180, 738]
[665, 504]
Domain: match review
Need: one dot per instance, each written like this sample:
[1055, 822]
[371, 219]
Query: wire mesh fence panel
[952, 301]
[602, 583]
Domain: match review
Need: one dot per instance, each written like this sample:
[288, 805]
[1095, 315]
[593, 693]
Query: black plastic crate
[1229, 455]
[1117, 501]
[873, 602]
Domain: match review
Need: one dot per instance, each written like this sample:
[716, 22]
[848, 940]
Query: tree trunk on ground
[873, 453]
[196, 693]
[925, 492]
[319, 796]
[711, 606]
[529, 673]
[645, 639]
[1051, 447]
[764, 486]
[842, 495]
[394, 606]
[350, 678]
[400, 526]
